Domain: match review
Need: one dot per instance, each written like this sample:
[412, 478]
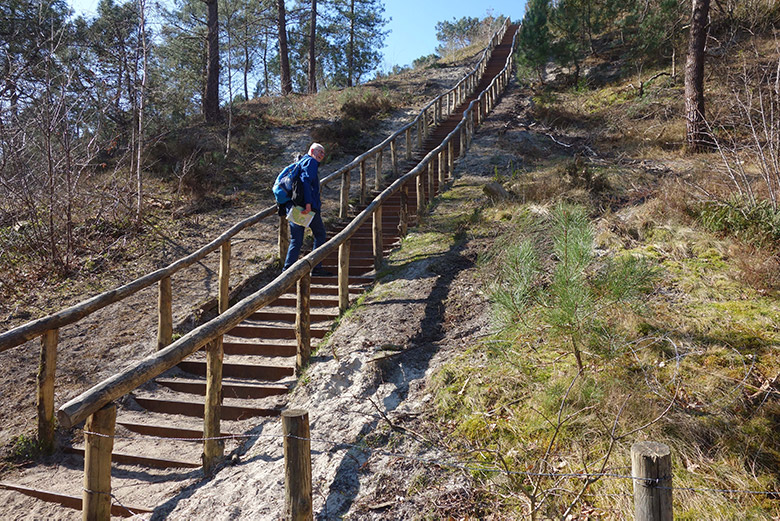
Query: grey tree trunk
[211, 96]
[312, 58]
[696, 131]
[284, 57]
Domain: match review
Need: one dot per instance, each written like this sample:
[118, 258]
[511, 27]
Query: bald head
[317, 151]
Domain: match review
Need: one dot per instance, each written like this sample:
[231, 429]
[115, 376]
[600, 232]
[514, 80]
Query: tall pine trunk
[284, 57]
[696, 131]
[211, 96]
[351, 48]
[312, 37]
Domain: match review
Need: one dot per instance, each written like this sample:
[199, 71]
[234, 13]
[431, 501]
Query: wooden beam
[297, 465]
[377, 238]
[344, 276]
[164, 313]
[98, 437]
[213, 449]
[303, 323]
[45, 398]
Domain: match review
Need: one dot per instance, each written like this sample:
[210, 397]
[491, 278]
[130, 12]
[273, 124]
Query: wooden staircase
[259, 354]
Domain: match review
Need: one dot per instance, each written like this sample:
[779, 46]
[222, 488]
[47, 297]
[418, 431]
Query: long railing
[169, 354]
[96, 404]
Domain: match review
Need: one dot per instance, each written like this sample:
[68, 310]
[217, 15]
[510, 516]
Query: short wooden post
[478, 111]
[224, 277]
[284, 238]
[419, 133]
[462, 137]
[651, 466]
[303, 323]
[212, 409]
[431, 179]
[394, 157]
[377, 238]
[442, 162]
[45, 402]
[451, 157]
[378, 172]
[344, 203]
[363, 189]
[99, 442]
[403, 217]
[409, 144]
[297, 465]
[164, 313]
[343, 276]
[420, 197]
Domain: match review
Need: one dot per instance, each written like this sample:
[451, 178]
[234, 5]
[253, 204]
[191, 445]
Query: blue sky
[413, 22]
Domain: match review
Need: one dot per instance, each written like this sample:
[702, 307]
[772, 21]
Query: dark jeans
[296, 239]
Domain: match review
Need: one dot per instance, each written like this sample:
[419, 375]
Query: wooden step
[259, 348]
[165, 431]
[133, 459]
[73, 502]
[272, 332]
[227, 412]
[248, 371]
[229, 389]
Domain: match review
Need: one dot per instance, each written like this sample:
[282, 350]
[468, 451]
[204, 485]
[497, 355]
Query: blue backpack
[284, 187]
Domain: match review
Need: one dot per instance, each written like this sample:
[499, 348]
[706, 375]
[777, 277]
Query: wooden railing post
[403, 217]
[45, 399]
[378, 172]
[394, 157]
[297, 465]
[213, 449]
[344, 203]
[420, 197]
[419, 133]
[303, 323]
[343, 276]
[431, 179]
[442, 162]
[363, 189]
[652, 462]
[99, 442]
[377, 238]
[450, 157]
[224, 277]
[284, 238]
[164, 313]
[409, 144]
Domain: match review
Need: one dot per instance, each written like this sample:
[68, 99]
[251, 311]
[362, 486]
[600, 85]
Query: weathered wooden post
[651, 462]
[344, 203]
[431, 179]
[409, 144]
[164, 313]
[213, 449]
[394, 157]
[303, 323]
[343, 276]
[478, 110]
[297, 465]
[420, 197]
[442, 162]
[284, 238]
[377, 238]
[403, 217]
[363, 189]
[451, 157]
[99, 442]
[45, 399]
[419, 132]
[378, 172]
[224, 277]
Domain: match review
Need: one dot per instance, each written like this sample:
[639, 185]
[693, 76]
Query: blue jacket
[311, 182]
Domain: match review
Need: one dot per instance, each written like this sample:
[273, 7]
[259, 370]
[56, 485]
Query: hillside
[482, 376]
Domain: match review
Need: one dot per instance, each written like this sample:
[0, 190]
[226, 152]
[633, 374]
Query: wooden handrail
[79, 408]
[36, 328]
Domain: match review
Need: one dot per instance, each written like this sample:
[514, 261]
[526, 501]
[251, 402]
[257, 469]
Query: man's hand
[307, 210]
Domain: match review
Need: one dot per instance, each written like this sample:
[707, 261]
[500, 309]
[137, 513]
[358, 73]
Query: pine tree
[534, 37]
